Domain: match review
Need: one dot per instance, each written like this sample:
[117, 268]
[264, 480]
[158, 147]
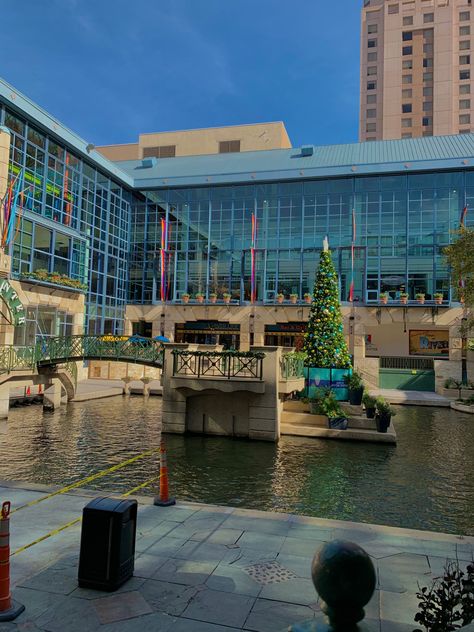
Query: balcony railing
[230, 365]
[291, 366]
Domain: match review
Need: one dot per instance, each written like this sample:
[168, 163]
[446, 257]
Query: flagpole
[351, 289]
[462, 226]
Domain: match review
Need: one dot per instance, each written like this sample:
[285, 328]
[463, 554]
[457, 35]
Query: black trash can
[108, 533]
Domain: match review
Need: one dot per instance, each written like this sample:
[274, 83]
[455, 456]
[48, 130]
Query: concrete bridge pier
[4, 400]
[52, 395]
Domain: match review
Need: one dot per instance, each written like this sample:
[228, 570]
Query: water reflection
[426, 482]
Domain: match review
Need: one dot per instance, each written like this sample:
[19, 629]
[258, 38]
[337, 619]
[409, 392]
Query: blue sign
[317, 379]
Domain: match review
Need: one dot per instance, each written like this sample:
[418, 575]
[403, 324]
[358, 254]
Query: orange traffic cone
[9, 609]
[163, 500]
[40, 389]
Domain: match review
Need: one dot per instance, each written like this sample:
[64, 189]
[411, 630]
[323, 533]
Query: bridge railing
[16, 358]
[230, 365]
[146, 351]
[292, 366]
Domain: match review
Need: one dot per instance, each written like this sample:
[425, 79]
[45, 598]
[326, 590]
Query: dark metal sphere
[344, 576]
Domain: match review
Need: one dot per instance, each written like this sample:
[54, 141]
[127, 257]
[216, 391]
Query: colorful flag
[462, 220]
[351, 289]
[253, 285]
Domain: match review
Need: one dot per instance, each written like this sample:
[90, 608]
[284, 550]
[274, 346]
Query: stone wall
[231, 407]
[105, 370]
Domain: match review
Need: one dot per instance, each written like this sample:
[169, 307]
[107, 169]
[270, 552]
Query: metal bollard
[9, 609]
[344, 576]
[163, 500]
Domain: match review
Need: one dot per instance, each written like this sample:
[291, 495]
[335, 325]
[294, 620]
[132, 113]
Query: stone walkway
[203, 568]
[411, 398]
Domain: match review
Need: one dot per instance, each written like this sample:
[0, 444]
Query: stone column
[4, 158]
[265, 409]
[4, 400]
[52, 396]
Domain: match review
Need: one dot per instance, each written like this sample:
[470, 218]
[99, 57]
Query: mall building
[221, 248]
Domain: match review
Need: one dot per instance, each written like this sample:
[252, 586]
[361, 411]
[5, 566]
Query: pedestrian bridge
[50, 352]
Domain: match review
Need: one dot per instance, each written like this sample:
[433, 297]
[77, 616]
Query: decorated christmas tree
[324, 341]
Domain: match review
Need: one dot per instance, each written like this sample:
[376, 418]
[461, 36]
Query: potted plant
[330, 407]
[293, 298]
[438, 298]
[200, 297]
[280, 297]
[308, 298]
[420, 297]
[226, 297]
[384, 298]
[355, 385]
[212, 297]
[369, 403]
[384, 414]
[185, 297]
[403, 298]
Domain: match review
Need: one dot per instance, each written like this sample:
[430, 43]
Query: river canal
[426, 482]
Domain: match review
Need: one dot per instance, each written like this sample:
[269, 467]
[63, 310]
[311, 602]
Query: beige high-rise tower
[416, 68]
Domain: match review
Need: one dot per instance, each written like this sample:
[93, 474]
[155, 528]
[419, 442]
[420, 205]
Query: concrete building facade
[194, 142]
[416, 76]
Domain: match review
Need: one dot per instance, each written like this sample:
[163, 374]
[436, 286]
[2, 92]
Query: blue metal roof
[380, 157]
[390, 156]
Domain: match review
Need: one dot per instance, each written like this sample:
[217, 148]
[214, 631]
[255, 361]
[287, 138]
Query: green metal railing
[67, 350]
[17, 358]
[291, 366]
[53, 350]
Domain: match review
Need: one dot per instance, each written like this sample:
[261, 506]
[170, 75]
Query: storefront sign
[207, 325]
[286, 328]
[10, 298]
[431, 342]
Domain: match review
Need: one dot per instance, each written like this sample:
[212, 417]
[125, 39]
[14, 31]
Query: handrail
[237, 365]
[68, 349]
[291, 366]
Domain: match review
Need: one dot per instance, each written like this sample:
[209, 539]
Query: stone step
[354, 434]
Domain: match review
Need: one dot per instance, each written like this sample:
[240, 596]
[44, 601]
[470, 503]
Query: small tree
[324, 341]
[460, 256]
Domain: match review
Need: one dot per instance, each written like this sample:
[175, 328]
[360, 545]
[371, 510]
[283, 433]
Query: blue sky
[110, 69]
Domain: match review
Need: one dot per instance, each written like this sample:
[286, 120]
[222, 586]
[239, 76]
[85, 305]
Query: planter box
[452, 393]
[326, 378]
[56, 286]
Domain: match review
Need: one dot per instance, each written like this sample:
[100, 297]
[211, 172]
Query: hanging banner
[10, 298]
[431, 342]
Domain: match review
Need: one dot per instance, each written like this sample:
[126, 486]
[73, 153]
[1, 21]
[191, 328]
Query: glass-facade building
[402, 223]
[74, 221]
[141, 231]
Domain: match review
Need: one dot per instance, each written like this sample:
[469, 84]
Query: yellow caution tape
[93, 477]
[145, 484]
[77, 520]
[45, 537]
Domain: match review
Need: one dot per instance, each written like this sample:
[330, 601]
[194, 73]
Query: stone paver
[201, 568]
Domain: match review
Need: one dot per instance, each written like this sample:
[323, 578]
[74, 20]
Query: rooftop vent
[307, 150]
[147, 163]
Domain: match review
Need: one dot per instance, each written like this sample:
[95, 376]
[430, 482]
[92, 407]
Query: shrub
[448, 604]
[354, 381]
[383, 407]
[368, 400]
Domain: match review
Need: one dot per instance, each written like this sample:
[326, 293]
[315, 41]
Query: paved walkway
[412, 398]
[96, 389]
[202, 568]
